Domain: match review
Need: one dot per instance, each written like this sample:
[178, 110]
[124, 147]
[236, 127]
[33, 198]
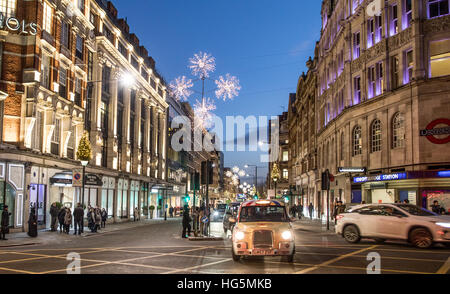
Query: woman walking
[61, 218]
[104, 217]
[67, 221]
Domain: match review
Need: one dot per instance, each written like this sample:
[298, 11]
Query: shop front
[12, 190]
[107, 198]
[122, 200]
[421, 188]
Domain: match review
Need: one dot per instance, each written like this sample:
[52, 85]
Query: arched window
[342, 146]
[398, 131]
[375, 131]
[357, 141]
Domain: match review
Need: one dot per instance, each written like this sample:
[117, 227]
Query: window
[106, 76]
[123, 50]
[357, 88]
[409, 65]
[371, 81]
[379, 79]
[78, 91]
[440, 58]
[408, 14]
[378, 28]
[37, 132]
[92, 17]
[285, 174]
[370, 32]
[81, 5]
[79, 48]
[357, 141]
[63, 82]
[56, 136]
[376, 136]
[65, 34]
[356, 45]
[285, 155]
[398, 131]
[8, 7]
[395, 64]
[90, 66]
[71, 143]
[144, 74]
[437, 8]
[134, 62]
[394, 20]
[45, 71]
[47, 18]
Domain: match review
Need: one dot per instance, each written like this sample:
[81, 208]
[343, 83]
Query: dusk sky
[263, 43]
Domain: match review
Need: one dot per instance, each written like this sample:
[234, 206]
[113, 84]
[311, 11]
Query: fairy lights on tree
[202, 65]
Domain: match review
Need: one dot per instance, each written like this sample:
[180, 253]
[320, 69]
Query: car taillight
[341, 216]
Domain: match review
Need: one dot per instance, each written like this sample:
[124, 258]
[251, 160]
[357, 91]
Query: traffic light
[286, 199]
[255, 197]
[187, 199]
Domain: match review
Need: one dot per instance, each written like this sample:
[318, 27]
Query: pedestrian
[104, 217]
[186, 222]
[98, 219]
[195, 213]
[32, 224]
[300, 211]
[171, 211]
[78, 217]
[363, 202]
[136, 214]
[67, 220]
[5, 222]
[61, 218]
[406, 201]
[294, 210]
[91, 220]
[311, 209]
[54, 214]
[436, 208]
[200, 216]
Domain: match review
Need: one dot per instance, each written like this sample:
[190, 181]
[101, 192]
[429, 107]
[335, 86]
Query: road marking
[336, 259]
[198, 266]
[17, 271]
[445, 268]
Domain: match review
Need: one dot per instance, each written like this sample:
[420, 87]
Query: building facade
[61, 75]
[382, 102]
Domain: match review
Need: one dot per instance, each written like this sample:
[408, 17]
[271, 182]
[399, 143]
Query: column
[112, 122]
[126, 135]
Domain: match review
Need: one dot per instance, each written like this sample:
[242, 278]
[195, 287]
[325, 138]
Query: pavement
[157, 248]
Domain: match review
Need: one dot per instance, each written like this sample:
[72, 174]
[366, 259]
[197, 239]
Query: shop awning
[62, 179]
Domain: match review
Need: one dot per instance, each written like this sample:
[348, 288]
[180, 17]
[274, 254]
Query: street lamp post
[84, 163]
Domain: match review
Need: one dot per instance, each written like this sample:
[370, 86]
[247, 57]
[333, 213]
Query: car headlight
[286, 235]
[216, 213]
[239, 236]
[445, 225]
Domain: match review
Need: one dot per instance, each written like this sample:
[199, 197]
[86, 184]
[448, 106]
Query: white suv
[381, 222]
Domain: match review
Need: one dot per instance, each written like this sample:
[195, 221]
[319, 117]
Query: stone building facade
[383, 101]
[61, 75]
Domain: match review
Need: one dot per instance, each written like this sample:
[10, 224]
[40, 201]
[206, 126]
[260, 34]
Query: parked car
[263, 228]
[382, 222]
[231, 211]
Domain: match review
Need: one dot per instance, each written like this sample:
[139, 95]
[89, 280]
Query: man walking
[300, 211]
[78, 216]
[311, 209]
[54, 214]
[186, 222]
[5, 222]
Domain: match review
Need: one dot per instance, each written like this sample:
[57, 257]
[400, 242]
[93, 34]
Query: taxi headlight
[286, 235]
[239, 236]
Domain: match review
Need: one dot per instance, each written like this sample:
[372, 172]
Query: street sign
[205, 219]
[77, 178]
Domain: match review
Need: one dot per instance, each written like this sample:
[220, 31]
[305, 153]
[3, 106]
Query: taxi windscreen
[263, 214]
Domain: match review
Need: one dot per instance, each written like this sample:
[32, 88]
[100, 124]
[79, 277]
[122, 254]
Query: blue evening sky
[265, 43]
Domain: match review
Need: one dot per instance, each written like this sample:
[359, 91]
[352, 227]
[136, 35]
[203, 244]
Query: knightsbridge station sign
[15, 25]
[432, 131]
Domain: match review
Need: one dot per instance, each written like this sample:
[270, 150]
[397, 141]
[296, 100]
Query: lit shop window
[47, 18]
[8, 7]
[440, 58]
[376, 136]
[437, 8]
[285, 155]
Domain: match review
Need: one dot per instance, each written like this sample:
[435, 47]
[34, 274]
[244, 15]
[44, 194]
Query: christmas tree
[275, 172]
[84, 152]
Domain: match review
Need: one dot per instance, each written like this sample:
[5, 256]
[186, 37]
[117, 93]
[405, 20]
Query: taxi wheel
[235, 257]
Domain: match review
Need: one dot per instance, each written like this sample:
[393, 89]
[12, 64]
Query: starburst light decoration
[202, 64]
[236, 169]
[229, 174]
[202, 112]
[180, 88]
[242, 173]
[227, 87]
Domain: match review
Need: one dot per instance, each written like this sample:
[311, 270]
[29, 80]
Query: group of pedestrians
[296, 210]
[96, 218]
[199, 226]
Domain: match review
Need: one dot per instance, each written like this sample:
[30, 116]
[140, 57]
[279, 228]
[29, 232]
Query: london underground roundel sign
[431, 131]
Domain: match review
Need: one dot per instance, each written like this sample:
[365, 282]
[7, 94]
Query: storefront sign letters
[431, 131]
[15, 25]
[352, 169]
[388, 177]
